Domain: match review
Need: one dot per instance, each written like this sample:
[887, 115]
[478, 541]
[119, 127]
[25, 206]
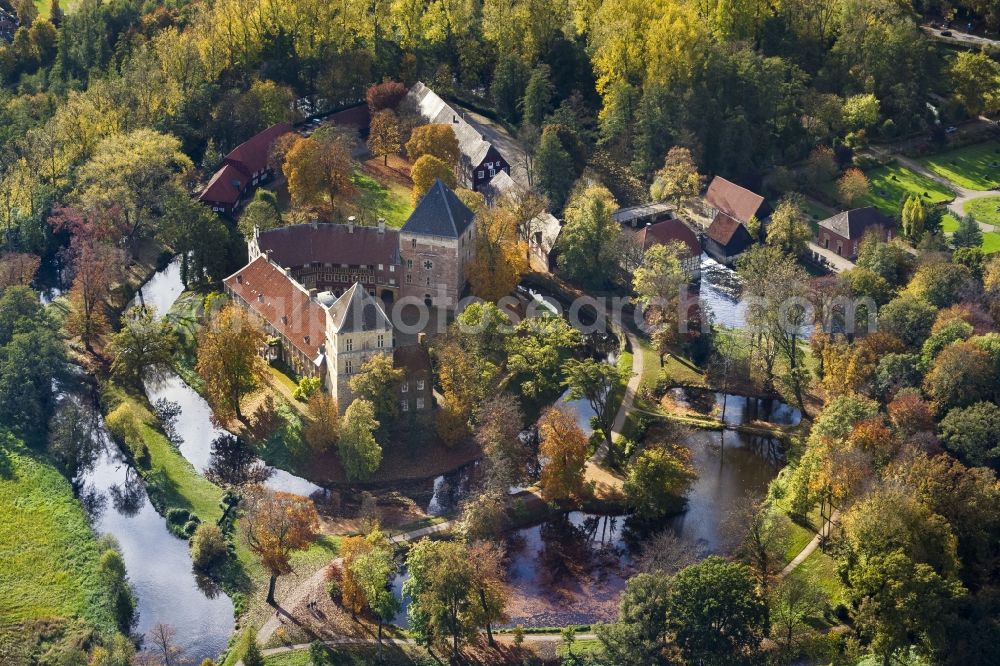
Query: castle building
[435, 245]
[324, 292]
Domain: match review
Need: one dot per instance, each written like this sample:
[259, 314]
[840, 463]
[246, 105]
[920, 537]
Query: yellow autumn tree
[435, 139]
[425, 171]
[500, 256]
[563, 451]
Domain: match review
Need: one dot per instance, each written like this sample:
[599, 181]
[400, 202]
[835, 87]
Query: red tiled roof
[222, 188]
[282, 302]
[302, 244]
[738, 202]
[252, 155]
[723, 228]
[668, 231]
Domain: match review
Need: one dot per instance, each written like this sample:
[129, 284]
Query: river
[158, 563]
[159, 566]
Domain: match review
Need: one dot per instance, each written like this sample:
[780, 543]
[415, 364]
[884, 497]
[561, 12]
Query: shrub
[191, 526]
[176, 516]
[307, 386]
[208, 546]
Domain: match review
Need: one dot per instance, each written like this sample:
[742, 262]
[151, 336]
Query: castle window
[406, 387]
[405, 404]
[381, 341]
[428, 282]
[481, 173]
[380, 266]
[409, 263]
[413, 242]
[392, 268]
[420, 385]
[348, 366]
[409, 279]
[349, 343]
[420, 403]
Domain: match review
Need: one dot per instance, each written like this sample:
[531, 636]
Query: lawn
[383, 191]
[975, 167]
[991, 239]
[986, 209]
[891, 185]
[49, 556]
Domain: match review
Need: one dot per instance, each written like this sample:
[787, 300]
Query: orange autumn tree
[229, 362]
[500, 258]
[383, 137]
[319, 170]
[564, 452]
[274, 525]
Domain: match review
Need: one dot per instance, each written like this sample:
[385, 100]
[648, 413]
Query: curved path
[297, 596]
[811, 546]
[964, 194]
[528, 638]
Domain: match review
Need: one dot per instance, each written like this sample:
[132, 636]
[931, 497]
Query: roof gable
[669, 231]
[358, 311]
[725, 230]
[439, 213]
[436, 111]
[283, 303]
[223, 188]
[852, 224]
[737, 202]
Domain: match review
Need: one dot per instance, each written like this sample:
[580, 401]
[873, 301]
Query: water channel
[167, 590]
[159, 567]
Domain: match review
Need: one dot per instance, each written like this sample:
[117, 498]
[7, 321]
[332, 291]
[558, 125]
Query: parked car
[950, 130]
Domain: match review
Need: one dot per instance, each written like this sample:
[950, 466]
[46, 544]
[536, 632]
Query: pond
[194, 428]
[158, 564]
[568, 570]
[736, 409]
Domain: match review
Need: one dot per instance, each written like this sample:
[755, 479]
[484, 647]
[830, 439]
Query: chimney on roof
[381, 225]
[312, 292]
[350, 224]
[260, 298]
[454, 118]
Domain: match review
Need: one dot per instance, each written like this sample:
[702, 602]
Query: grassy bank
[49, 556]
[172, 481]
